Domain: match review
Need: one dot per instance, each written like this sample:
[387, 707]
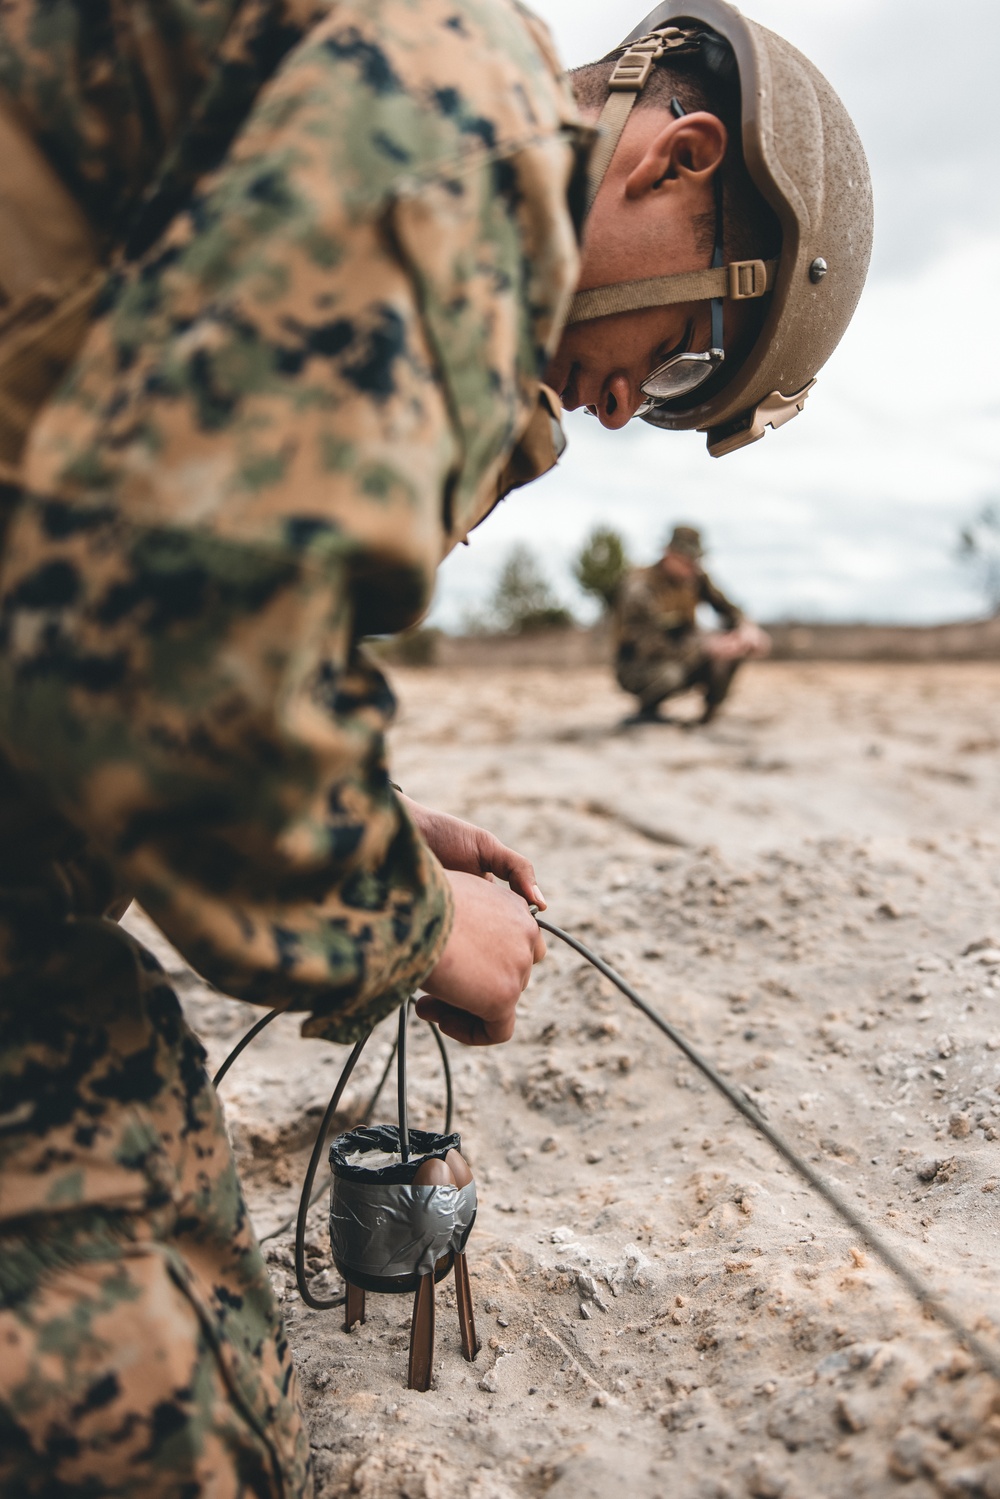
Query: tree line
[523, 601]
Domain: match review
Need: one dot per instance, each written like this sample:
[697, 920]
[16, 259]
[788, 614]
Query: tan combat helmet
[804, 156]
[687, 541]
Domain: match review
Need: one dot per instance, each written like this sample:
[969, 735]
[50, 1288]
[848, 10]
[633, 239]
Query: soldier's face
[677, 565]
[653, 216]
[601, 365]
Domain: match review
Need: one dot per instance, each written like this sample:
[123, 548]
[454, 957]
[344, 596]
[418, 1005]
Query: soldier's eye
[667, 351]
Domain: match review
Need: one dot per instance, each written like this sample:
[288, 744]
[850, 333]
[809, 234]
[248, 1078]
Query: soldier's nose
[614, 408]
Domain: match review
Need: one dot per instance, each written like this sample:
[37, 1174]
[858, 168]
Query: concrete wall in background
[968, 640]
[972, 640]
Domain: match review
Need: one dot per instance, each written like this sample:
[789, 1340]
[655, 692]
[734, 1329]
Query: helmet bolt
[818, 269]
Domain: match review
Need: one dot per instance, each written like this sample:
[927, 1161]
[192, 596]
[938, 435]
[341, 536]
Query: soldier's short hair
[750, 227]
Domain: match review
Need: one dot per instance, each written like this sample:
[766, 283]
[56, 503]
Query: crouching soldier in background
[660, 649]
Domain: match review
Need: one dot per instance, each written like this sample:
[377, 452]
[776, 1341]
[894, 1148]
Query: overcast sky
[852, 510]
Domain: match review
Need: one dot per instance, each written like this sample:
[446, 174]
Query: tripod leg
[463, 1296]
[422, 1335]
[354, 1306]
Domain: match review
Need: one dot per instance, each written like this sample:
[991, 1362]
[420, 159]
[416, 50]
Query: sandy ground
[809, 890]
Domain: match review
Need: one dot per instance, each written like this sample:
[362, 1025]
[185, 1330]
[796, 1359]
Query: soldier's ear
[683, 154]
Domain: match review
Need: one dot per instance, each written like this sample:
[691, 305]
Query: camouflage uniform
[659, 648]
[334, 246]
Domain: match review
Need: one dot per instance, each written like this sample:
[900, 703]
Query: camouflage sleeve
[284, 415]
[108, 90]
[727, 611]
[200, 710]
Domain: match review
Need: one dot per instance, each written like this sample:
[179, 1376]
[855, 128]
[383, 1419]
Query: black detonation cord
[304, 1199]
[914, 1282]
[242, 1043]
[308, 1197]
[370, 1109]
[401, 1110]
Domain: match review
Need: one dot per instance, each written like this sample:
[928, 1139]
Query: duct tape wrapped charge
[382, 1227]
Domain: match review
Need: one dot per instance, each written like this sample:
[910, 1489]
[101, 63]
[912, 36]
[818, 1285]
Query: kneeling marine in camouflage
[660, 650]
[299, 264]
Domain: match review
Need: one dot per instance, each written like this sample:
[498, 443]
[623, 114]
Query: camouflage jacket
[656, 615]
[339, 243]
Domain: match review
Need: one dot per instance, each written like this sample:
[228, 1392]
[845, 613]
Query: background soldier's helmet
[687, 541]
[803, 155]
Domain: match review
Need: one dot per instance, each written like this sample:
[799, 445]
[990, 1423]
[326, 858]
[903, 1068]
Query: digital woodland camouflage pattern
[142, 1350]
[296, 403]
[351, 245]
[659, 650]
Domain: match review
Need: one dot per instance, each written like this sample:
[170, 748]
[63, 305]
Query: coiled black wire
[242, 1043]
[305, 1197]
[401, 1111]
[308, 1196]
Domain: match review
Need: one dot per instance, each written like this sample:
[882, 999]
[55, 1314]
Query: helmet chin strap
[740, 281]
[628, 79]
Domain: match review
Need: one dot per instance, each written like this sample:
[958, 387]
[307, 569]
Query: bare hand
[473, 990]
[745, 641]
[758, 641]
[463, 846]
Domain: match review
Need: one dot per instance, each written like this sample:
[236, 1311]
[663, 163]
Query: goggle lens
[682, 373]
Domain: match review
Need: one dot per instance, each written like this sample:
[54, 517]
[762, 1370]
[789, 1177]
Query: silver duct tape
[398, 1230]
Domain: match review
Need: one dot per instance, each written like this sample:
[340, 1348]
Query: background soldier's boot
[718, 682]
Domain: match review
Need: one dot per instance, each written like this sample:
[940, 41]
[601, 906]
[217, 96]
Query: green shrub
[601, 565]
[523, 602]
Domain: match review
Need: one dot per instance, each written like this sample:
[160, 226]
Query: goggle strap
[740, 281]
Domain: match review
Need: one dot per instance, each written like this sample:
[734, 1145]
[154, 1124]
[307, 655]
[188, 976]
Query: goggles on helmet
[685, 371]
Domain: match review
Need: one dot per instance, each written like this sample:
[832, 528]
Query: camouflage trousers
[653, 681]
[141, 1348]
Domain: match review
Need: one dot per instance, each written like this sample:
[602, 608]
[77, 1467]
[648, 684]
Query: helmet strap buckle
[629, 77]
[747, 280]
[631, 72]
